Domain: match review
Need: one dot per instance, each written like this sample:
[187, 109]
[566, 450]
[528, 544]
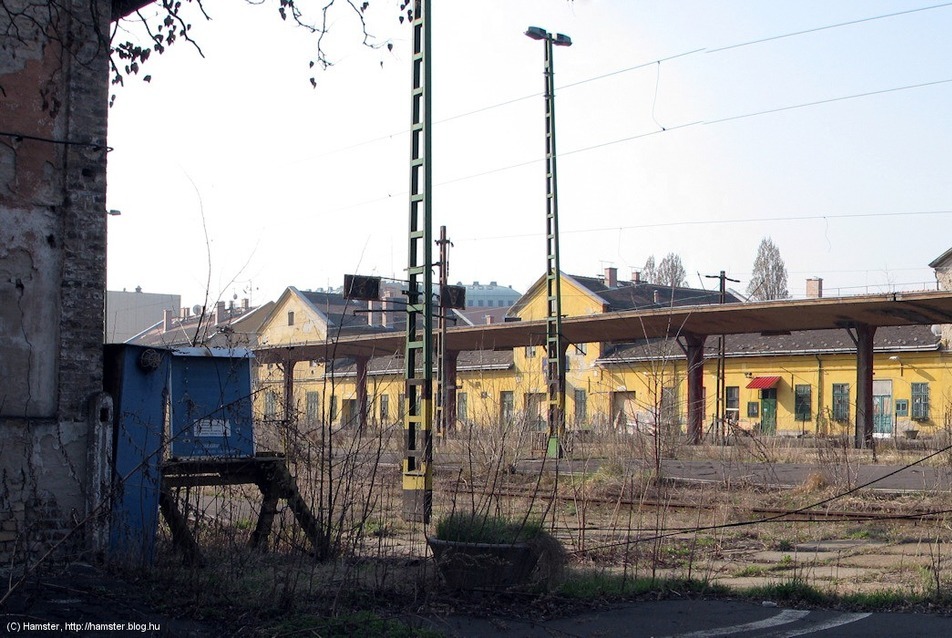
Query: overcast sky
[694, 127]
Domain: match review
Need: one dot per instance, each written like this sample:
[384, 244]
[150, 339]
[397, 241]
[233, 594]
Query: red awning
[761, 383]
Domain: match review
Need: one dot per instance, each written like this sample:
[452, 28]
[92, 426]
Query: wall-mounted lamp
[748, 375]
[901, 366]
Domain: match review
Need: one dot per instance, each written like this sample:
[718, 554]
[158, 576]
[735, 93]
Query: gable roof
[942, 260]
[631, 295]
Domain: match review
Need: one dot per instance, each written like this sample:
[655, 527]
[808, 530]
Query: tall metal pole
[555, 345]
[720, 415]
[443, 419]
[418, 371]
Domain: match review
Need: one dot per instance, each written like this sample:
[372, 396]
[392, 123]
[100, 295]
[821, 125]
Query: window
[506, 406]
[401, 406]
[530, 351]
[669, 405]
[270, 404]
[333, 414]
[461, 406]
[902, 407]
[581, 407]
[291, 318]
[802, 402]
[384, 408]
[312, 406]
[841, 402]
[731, 403]
[920, 401]
[753, 409]
[581, 348]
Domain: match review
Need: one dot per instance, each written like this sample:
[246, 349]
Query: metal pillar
[863, 338]
[695, 355]
[442, 394]
[554, 346]
[720, 416]
[362, 393]
[418, 411]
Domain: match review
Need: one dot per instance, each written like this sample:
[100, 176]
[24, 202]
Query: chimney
[370, 313]
[245, 304]
[611, 277]
[167, 320]
[385, 309]
[185, 312]
[657, 296]
[489, 320]
[635, 276]
[220, 316]
[814, 288]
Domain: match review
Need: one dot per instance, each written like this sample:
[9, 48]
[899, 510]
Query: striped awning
[762, 383]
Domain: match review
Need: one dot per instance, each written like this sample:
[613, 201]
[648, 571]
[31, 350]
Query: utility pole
[555, 345]
[418, 359]
[719, 402]
[442, 396]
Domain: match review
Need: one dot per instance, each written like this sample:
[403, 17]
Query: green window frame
[312, 406]
[581, 406]
[802, 402]
[841, 402]
[920, 401]
[507, 406]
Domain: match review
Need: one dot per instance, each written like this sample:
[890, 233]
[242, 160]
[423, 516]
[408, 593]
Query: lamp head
[537, 33]
[562, 40]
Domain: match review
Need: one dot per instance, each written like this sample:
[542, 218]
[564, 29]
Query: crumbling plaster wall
[53, 112]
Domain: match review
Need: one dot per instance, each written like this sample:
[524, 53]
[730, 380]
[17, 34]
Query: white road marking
[842, 619]
[784, 617]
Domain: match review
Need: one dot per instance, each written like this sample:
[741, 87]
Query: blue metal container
[136, 377]
[210, 404]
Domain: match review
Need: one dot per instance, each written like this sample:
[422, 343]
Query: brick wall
[52, 273]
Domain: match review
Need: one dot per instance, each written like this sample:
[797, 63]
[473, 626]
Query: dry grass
[608, 508]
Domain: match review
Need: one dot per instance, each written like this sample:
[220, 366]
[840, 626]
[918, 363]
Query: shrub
[476, 528]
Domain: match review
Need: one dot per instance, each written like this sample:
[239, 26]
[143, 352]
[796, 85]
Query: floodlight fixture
[537, 33]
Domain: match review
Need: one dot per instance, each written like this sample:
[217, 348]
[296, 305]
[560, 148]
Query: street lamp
[555, 346]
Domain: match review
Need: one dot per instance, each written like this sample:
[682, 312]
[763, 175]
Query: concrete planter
[483, 565]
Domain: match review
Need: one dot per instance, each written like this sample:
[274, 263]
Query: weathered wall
[53, 111]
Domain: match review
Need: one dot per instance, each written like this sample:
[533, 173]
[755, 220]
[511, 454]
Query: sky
[695, 127]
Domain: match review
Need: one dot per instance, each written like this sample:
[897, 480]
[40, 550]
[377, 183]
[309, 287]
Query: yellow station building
[797, 384]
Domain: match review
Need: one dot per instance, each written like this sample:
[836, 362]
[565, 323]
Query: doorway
[768, 410]
[882, 408]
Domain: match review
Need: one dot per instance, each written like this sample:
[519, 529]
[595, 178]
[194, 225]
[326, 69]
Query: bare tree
[155, 26]
[650, 272]
[769, 280]
[671, 272]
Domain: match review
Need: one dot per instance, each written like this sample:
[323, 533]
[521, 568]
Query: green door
[768, 410]
[882, 415]
[882, 407]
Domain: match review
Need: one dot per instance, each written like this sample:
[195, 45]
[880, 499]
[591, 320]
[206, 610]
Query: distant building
[227, 325]
[487, 303]
[129, 313]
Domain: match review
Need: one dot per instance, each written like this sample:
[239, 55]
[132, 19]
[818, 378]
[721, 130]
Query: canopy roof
[769, 317]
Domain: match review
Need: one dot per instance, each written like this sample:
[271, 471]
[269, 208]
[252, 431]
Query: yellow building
[797, 384]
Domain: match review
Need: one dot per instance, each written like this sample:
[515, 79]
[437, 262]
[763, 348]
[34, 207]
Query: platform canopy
[767, 318]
